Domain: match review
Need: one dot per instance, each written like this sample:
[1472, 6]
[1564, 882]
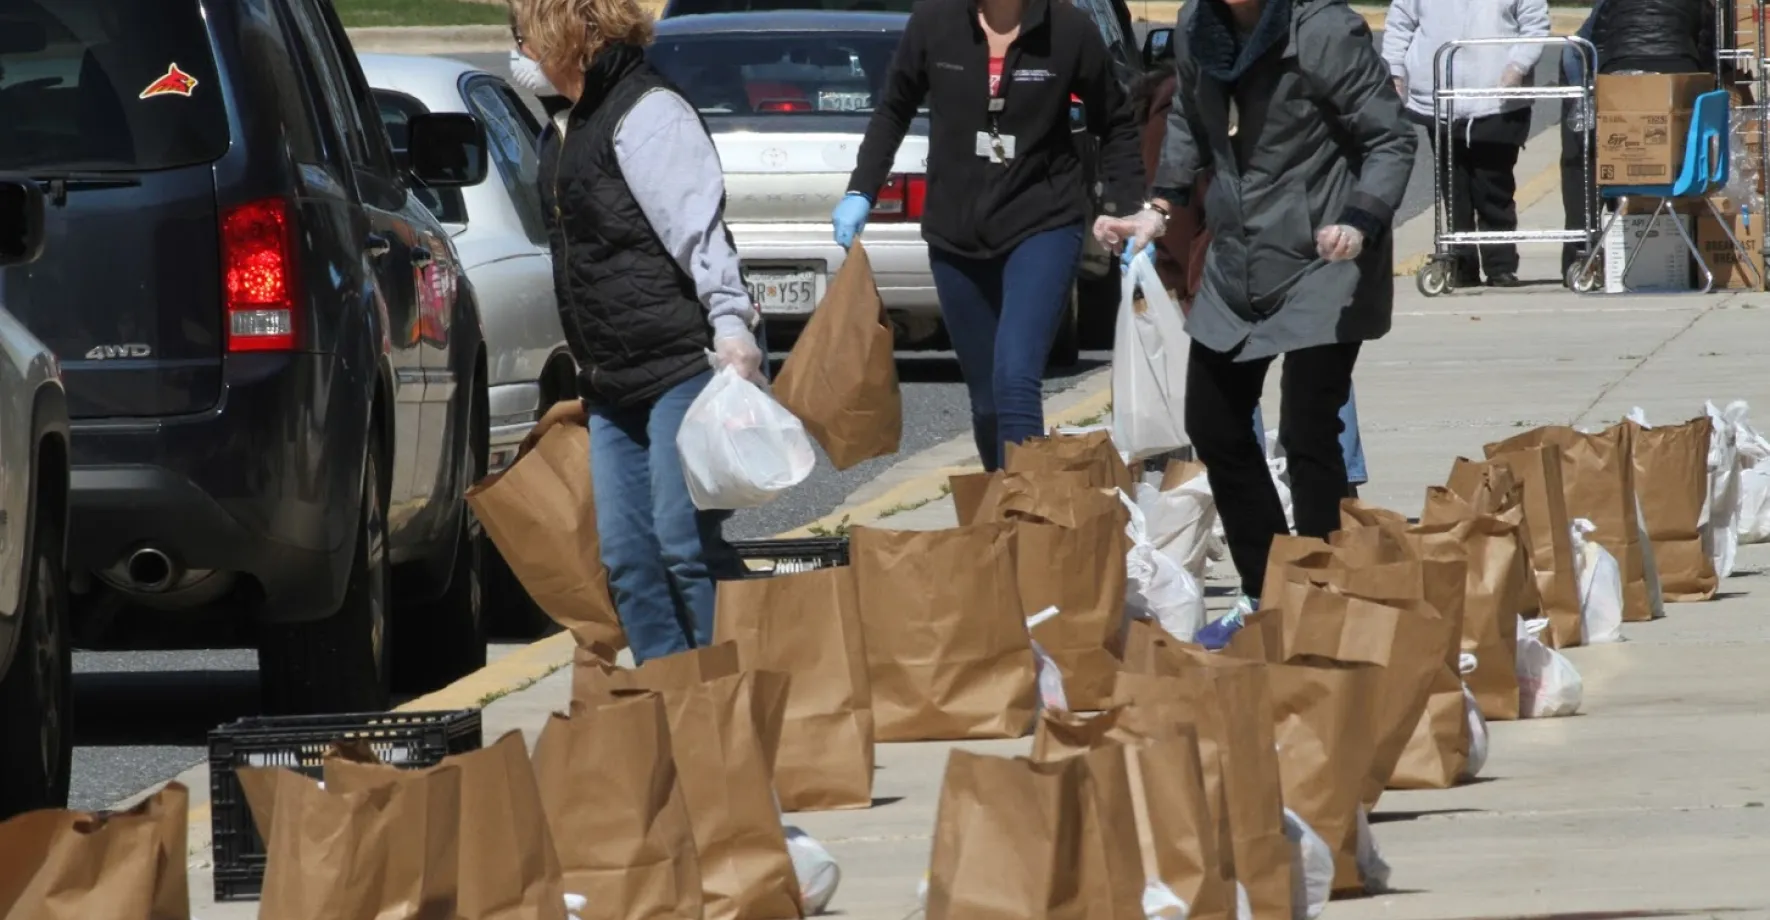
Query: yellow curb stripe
[1532, 191]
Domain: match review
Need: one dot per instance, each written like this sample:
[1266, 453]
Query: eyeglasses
[515, 32]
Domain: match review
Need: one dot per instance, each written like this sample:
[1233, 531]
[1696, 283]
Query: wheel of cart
[1582, 278]
[1435, 277]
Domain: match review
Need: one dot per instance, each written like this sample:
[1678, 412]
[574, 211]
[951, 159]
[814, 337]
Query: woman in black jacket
[1007, 202]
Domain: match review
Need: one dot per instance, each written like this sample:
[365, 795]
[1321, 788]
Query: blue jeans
[661, 552]
[1002, 315]
[1351, 445]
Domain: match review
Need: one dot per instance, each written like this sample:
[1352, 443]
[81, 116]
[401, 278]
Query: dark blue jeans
[1002, 315]
[662, 554]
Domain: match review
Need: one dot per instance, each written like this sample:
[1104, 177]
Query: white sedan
[498, 230]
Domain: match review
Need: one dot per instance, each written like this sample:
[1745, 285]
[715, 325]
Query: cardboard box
[1643, 123]
[1717, 251]
[1663, 263]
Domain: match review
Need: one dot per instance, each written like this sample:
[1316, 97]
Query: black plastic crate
[404, 739]
[790, 557]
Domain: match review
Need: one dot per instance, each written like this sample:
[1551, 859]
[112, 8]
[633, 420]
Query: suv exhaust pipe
[150, 570]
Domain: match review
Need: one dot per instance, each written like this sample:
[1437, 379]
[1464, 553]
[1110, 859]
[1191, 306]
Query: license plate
[839, 101]
[789, 292]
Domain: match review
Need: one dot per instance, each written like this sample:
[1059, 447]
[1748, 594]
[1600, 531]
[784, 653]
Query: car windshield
[699, 7]
[765, 73]
[107, 85]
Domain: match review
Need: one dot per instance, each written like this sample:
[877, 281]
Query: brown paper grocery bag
[841, 377]
[509, 869]
[1178, 833]
[1598, 476]
[1498, 577]
[807, 626]
[1672, 480]
[1090, 453]
[1229, 703]
[948, 653]
[1069, 553]
[725, 731]
[1549, 538]
[1326, 735]
[968, 490]
[70, 865]
[541, 514]
[619, 819]
[388, 850]
[1437, 753]
[1019, 840]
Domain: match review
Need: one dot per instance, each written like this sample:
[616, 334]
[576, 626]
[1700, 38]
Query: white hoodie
[1416, 29]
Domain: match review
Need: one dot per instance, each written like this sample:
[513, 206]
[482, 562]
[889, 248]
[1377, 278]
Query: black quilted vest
[631, 315]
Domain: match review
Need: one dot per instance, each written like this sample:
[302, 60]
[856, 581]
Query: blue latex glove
[1216, 634]
[1130, 253]
[850, 217]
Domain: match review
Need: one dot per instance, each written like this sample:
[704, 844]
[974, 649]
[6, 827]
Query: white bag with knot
[1373, 869]
[1050, 678]
[1720, 505]
[1467, 663]
[1600, 585]
[739, 447]
[1149, 351]
[816, 869]
[1751, 519]
[1157, 588]
[1312, 868]
[1548, 683]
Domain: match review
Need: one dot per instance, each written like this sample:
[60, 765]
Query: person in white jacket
[1486, 133]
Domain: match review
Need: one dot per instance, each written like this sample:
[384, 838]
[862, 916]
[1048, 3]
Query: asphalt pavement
[143, 717]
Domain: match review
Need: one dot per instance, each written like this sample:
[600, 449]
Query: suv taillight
[901, 198]
[258, 275]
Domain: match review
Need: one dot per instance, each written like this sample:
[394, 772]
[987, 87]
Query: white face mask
[527, 74]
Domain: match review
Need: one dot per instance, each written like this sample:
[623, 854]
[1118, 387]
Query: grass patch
[841, 529]
[360, 13]
[497, 695]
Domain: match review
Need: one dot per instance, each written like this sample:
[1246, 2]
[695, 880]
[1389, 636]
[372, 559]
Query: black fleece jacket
[981, 209]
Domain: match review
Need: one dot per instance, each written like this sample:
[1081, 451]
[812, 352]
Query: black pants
[1221, 395]
[1482, 187]
[1578, 173]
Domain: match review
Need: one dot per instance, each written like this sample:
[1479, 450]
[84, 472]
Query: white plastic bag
[816, 869]
[1372, 867]
[1148, 366]
[1179, 521]
[1548, 683]
[1051, 695]
[739, 447]
[1280, 468]
[1466, 664]
[1721, 503]
[1161, 903]
[574, 905]
[1157, 587]
[1751, 518]
[1312, 868]
[1600, 585]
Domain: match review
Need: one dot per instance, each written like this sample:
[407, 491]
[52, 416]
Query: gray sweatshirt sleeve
[673, 171]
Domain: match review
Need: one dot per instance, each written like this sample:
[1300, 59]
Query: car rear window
[107, 85]
[778, 73]
[699, 7]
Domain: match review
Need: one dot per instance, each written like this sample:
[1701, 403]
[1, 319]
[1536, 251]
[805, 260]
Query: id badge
[997, 148]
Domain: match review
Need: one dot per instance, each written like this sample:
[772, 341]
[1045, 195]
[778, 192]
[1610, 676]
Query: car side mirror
[446, 150]
[1158, 46]
[21, 221]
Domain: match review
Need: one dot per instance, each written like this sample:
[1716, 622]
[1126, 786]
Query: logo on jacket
[175, 83]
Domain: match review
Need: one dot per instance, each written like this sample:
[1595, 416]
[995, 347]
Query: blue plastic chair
[1705, 169]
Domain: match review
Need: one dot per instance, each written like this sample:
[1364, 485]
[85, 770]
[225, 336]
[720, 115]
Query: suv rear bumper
[265, 484]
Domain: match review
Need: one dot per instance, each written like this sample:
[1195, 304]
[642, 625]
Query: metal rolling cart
[1437, 276]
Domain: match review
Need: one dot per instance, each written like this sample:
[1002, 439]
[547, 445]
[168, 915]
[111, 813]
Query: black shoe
[1503, 280]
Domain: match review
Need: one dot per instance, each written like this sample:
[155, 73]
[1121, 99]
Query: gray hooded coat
[1308, 135]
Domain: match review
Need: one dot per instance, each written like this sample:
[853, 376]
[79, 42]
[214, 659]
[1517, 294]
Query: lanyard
[999, 101]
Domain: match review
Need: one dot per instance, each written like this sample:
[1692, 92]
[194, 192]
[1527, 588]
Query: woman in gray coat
[1292, 107]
